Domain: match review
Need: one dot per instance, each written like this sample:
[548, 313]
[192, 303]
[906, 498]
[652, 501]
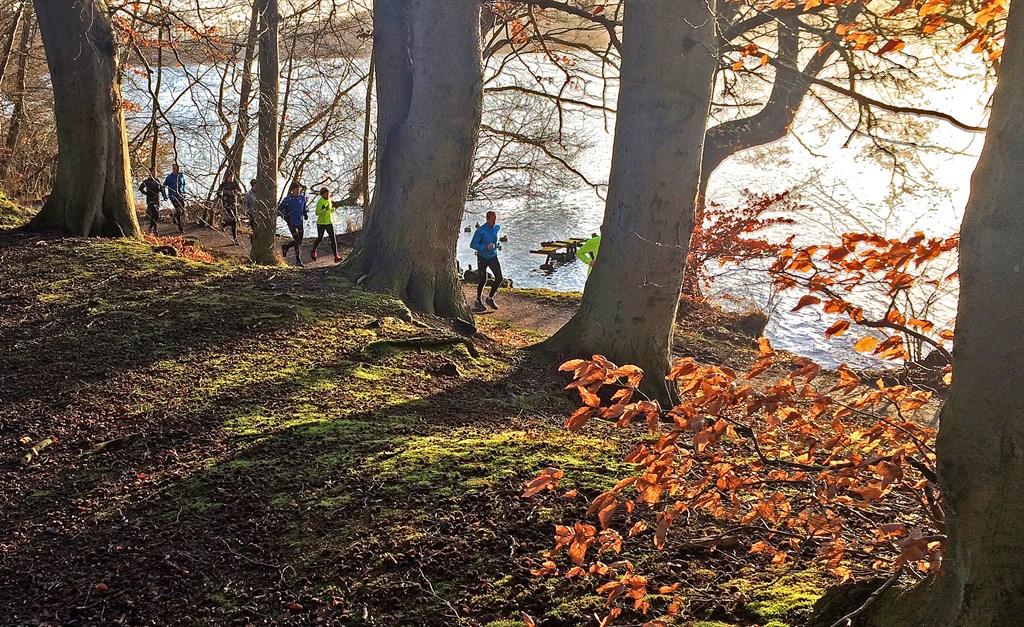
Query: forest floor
[190, 443]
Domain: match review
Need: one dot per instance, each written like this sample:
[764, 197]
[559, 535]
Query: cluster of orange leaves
[829, 274]
[986, 21]
[841, 476]
[729, 235]
[178, 244]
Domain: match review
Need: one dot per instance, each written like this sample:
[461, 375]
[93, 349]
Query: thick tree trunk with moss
[429, 82]
[629, 305]
[92, 194]
[980, 446]
[264, 223]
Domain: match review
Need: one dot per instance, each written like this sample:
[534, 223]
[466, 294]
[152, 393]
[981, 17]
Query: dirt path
[525, 310]
[518, 308]
[218, 241]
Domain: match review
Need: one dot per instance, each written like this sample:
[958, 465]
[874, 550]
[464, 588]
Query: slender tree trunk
[364, 175]
[265, 220]
[629, 305]
[12, 33]
[155, 143]
[235, 153]
[980, 446]
[430, 91]
[18, 111]
[92, 193]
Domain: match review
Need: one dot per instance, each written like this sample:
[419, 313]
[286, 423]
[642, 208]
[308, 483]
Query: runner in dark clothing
[485, 243]
[229, 192]
[151, 189]
[293, 210]
[174, 190]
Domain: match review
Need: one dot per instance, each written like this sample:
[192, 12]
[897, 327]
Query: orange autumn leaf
[837, 329]
[866, 344]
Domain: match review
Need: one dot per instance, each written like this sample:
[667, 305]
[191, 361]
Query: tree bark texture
[92, 192]
[429, 101]
[629, 305]
[980, 447]
[265, 215]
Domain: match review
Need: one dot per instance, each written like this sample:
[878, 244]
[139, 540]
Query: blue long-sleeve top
[293, 209]
[174, 185]
[484, 236]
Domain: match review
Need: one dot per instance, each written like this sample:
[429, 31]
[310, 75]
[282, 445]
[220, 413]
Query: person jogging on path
[587, 253]
[485, 243]
[151, 189]
[293, 210]
[229, 192]
[174, 190]
[325, 224]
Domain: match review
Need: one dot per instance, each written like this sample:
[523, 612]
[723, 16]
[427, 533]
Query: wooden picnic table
[552, 250]
[571, 244]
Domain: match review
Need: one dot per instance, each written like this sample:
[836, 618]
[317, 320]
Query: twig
[847, 620]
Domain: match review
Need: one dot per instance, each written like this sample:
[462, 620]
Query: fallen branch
[32, 454]
[847, 620]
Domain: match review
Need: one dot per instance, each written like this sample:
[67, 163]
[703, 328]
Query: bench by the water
[553, 250]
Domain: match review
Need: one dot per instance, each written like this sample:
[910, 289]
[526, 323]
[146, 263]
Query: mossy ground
[259, 465]
[12, 215]
[549, 296]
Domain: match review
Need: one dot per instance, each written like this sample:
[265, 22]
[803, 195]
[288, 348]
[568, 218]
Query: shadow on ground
[229, 447]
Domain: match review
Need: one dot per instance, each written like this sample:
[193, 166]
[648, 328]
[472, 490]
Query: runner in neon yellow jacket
[587, 253]
[325, 225]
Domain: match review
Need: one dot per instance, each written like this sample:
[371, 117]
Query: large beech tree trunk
[630, 301]
[265, 218]
[980, 446]
[429, 85]
[92, 193]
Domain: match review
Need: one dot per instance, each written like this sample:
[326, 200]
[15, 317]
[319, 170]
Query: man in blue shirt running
[174, 189]
[485, 243]
[293, 210]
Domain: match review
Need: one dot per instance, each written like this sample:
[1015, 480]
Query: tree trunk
[265, 218]
[430, 90]
[92, 193]
[629, 305]
[12, 34]
[364, 174]
[154, 146]
[18, 111]
[980, 446]
[235, 153]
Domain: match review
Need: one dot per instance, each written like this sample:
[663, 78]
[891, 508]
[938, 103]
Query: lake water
[849, 185]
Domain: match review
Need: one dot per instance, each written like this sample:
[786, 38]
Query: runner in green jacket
[587, 253]
[325, 224]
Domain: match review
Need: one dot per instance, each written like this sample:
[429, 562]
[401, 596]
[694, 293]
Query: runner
[587, 253]
[485, 243]
[293, 210]
[174, 190]
[325, 224]
[151, 189]
[229, 192]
